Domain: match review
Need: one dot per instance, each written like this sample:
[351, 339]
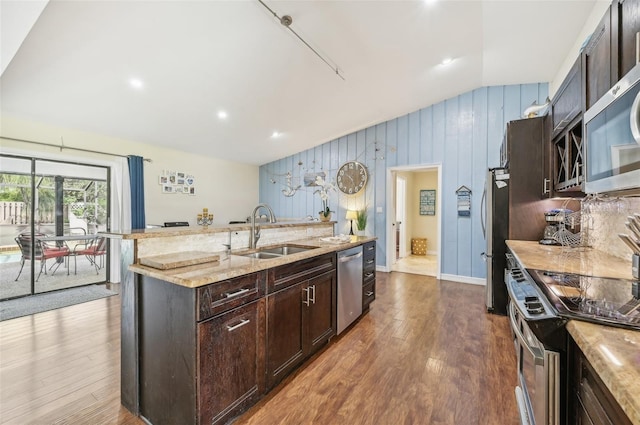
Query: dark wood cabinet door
[320, 315]
[230, 368]
[567, 103]
[598, 63]
[628, 22]
[285, 348]
[590, 401]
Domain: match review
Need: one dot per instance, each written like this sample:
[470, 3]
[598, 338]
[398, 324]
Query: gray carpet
[24, 306]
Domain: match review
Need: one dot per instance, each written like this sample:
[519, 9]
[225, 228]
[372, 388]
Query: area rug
[33, 304]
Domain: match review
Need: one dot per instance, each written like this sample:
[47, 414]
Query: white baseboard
[464, 279]
[382, 269]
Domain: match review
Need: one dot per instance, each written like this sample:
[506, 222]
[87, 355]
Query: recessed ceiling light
[275, 134]
[136, 83]
[222, 115]
[446, 61]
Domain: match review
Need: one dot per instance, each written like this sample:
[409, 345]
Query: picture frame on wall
[427, 202]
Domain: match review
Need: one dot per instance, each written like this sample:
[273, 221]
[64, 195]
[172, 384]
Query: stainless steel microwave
[612, 137]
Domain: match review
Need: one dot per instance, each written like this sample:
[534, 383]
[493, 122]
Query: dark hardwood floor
[426, 353]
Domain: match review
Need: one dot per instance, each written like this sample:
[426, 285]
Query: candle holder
[205, 219]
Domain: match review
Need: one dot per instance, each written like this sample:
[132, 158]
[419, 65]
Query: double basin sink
[277, 251]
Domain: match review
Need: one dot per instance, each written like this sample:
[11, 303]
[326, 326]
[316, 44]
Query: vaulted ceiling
[193, 59]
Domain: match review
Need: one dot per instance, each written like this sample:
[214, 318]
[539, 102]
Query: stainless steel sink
[286, 249]
[261, 255]
[277, 251]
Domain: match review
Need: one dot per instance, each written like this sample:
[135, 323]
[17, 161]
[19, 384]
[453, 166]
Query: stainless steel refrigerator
[514, 203]
[495, 210]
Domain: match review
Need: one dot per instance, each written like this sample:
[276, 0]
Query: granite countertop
[615, 355]
[585, 261]
[196, 230]
[613, 352]
[236, 265]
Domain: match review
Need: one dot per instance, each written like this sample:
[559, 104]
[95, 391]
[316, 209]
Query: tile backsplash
[603, 219]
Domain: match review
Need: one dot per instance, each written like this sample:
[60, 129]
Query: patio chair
[94, 250]
[42, 251]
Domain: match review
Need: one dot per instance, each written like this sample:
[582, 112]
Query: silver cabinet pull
[545, 187]
[368, 294]
[307, 301]
[239, 325]
[370, 261]
[368, 275]
[371, 248]
[235, 294]
[312, 298]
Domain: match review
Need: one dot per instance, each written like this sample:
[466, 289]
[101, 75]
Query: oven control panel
[524, 294]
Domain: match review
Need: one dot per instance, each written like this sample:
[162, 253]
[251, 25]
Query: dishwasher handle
[349, 257]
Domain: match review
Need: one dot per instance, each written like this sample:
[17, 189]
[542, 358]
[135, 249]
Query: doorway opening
[50, 215]
[413, 208]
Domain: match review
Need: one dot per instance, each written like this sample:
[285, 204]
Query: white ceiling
[198, 57]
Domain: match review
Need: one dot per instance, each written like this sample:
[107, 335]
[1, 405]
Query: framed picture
[180, 181]
[192, 190]
[428, 202]
[167, 188]
[163, 180]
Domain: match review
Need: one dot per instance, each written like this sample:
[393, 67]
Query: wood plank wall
[463, 134]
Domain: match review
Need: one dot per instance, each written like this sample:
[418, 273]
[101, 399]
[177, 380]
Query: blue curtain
[136, 178]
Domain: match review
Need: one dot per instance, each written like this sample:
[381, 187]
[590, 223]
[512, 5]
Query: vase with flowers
[325, 188]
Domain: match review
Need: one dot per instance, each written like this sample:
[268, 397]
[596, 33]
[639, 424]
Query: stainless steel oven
[540, 342]
[538, 392]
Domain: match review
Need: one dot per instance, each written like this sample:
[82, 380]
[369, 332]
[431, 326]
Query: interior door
[401, 219]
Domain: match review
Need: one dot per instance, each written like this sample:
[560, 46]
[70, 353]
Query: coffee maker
[555, 220]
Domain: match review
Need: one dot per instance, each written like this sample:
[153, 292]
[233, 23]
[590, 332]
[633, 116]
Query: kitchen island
[613, 353]
[206, 341]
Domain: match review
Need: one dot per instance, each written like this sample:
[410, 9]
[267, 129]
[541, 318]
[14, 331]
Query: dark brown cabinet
[368, 274]
[301, 317]
[600, 68]
[567, 103]
[201, 355]
[230, 366]
[625, 25]
[590, 402]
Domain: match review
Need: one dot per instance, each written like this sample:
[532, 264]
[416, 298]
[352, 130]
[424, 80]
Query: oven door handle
[522, 407]
[538, 358]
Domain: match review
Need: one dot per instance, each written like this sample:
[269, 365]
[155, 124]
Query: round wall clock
[352, 177]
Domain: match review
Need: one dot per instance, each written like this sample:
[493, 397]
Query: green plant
[361, 219]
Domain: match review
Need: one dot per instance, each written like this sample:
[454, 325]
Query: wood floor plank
[426, 353]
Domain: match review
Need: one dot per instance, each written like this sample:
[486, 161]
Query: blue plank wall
[462, 133]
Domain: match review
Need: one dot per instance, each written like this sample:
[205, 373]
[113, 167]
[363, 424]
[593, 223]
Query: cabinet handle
[545, 187]
[313, 297]
[369, 261]
[368, 274]
[235, 294]
[368, 294]
[306, 302]
[239, 325]
[637, 47]
[371, 248]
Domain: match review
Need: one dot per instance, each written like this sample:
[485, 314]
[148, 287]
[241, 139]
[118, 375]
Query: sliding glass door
[50, 216]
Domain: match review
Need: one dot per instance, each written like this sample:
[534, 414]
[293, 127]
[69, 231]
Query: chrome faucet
[255, 229]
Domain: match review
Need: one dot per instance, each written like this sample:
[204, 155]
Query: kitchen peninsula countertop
[619, 369]
[160, 232]
[236, 265]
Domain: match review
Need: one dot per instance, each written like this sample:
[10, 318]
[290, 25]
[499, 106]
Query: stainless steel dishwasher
[349, 286]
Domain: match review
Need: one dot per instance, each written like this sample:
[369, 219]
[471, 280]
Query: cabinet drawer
[222, 296]
[368, 275]
[369, 250]
[368, 294]
[284, 276]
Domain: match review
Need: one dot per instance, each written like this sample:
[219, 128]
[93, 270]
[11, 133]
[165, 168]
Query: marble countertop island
[618, 363]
